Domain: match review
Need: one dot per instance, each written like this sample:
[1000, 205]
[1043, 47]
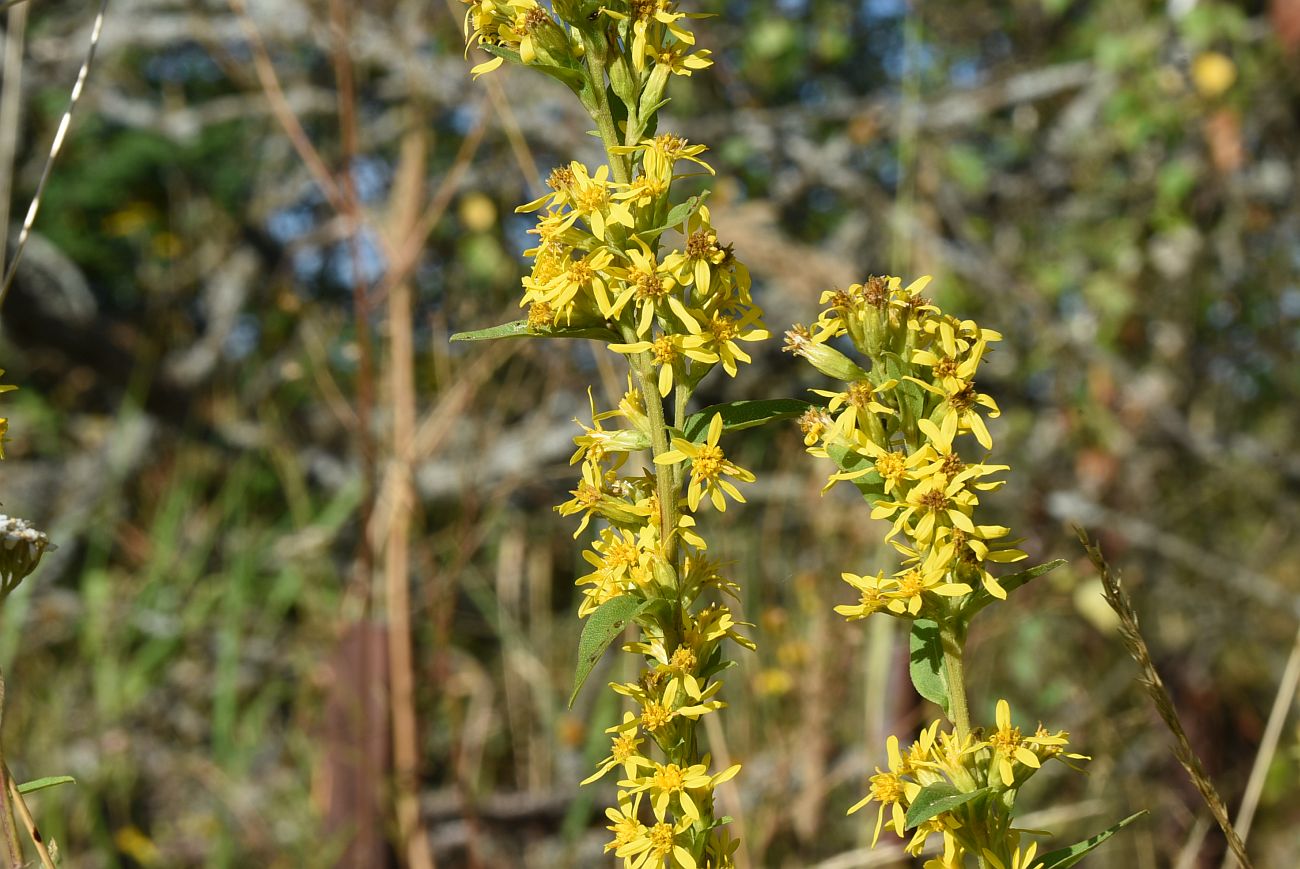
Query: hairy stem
[603, 115]
[953, 639]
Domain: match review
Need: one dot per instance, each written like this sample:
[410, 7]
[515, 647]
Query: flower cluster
[895, 431]
[908, 429]
[653, 33]
[598, 263]
[620, 259]
[992, 765]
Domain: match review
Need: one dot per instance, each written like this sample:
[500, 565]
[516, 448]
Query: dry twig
[1119, 601]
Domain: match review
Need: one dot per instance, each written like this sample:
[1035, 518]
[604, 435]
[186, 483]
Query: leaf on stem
[601, 628]
[926, 663]
[1065, 857]
[41, 784]
[981, 598]
[737, 415]
[935, 799]
[520, 329]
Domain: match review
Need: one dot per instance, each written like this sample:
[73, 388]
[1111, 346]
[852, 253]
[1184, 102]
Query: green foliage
[602, 628]
[925, 652]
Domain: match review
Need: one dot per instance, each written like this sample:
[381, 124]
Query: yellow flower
[871, 600]
[624, 751]
[627, 827]
[666, 352]
[861, 402]
[931, 577]
[1019, 859]
[662, 846]
[702, 255]
[936, 501]
[894, 466]
[962, 401]
[651, 287]
[596, 444]
[583, 277]
[622, 562]
[1010, 747]
[709, 468]
[650, 20]
[670, 781]
[601, 494]
[892, 792]
[717, 341]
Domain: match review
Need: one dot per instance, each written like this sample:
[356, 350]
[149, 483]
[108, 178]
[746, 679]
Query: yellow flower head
[709, 468]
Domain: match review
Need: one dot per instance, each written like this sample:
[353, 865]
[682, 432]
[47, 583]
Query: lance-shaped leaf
[521, 329]
[926, 663]
[570, 77]
[981, 598]
[737, 415]
[41, 784]
[1065, 857]
[935, 799]
[678, 215]
[601, 628]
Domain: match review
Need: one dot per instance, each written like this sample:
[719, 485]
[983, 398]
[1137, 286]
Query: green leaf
[937, 798]
[508, 54]
[1065, 857]
[911, 396]
[572, 78]
[49, 781]
[679, 214]
[981, 598]
[601, 628]
[737, 415]
[520, 329]
[927, 663]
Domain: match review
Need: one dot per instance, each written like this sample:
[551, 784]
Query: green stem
[953, 639]
[603, 115]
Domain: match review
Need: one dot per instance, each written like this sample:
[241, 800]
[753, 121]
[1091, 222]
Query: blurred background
[310, 590]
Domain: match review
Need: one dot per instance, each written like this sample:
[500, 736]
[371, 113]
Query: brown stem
[47, 860]
[7, 828]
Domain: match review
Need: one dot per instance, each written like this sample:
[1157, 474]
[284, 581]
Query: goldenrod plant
[908, 428]
[621, 257]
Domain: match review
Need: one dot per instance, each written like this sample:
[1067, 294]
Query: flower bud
[823, 357]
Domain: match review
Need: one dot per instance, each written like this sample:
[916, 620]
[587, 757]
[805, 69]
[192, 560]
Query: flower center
[912, 583]
[701, 243]
[876, 292]
[561, 178]
[649, 285]
[669, 778]
[624, 747]
[655, 716]
[708, 462]
[887, 788]
[683, 660]
[661, 839]
[540, 315]
[892, 466]
[861, 394]
[723, 328]
[665, 352]
[935, 500]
